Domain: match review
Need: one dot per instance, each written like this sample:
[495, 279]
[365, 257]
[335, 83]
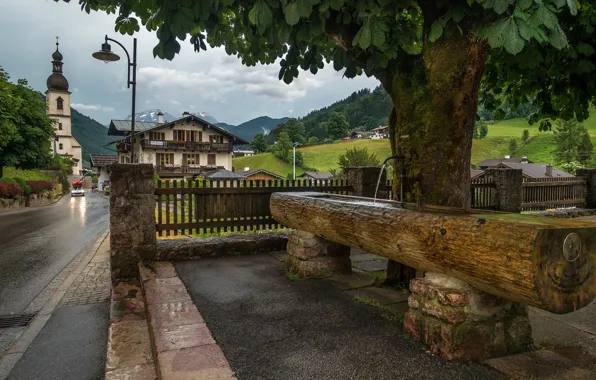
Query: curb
[129, 355]
[182, 343]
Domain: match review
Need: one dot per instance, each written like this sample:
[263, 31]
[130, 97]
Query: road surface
[36, 244]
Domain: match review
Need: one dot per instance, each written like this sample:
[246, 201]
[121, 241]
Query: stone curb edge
[178, 332]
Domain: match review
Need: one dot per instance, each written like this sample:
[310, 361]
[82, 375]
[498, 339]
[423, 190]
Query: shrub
[10, 190]
[39, 186]
[20, 181]
[27, 189]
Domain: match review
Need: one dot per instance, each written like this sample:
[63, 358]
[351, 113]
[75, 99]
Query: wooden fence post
[590, 176]
[132, 219]
[364, 180]
[508, 189]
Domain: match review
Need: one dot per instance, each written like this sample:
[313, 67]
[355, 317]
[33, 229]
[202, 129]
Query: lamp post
[295, 145]
[106, 55]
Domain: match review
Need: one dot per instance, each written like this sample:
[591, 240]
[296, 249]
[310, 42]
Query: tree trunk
[435, 97]
[1, 171]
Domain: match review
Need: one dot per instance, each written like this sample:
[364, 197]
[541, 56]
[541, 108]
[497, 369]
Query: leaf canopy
[540, 49]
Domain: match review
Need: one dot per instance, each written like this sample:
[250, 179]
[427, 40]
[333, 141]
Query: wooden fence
[204, 207]
[483, 193]
[553, 193]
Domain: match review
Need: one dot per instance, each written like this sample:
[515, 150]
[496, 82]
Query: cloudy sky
[211, 81]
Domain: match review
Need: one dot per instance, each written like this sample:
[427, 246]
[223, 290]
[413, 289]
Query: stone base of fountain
[457, 321]
[313, 257]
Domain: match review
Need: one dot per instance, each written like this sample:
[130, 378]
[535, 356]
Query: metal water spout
[401, 159]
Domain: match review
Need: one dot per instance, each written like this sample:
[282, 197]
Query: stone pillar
[132, 219]
[459, 322]
[364, 180]
[508, 184]
[314, 257]
[590, 177]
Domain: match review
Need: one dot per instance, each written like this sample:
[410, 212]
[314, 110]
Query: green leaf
[378, 35]
[524, 4]
[525, 30]
[586, 49]
[513, 42]
[572, 4]
[558, 39]
[292, 13]
[304, 8]
[501, 6]
[363, 37]
[436, 31]
[547, 17]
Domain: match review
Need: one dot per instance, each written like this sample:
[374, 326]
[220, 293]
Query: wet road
[36, 244]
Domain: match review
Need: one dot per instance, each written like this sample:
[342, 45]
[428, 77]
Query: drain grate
[16, 320]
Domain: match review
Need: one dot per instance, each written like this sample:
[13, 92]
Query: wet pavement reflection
[36, 244]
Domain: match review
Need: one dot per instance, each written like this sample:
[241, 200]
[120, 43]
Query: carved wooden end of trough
[544, 262]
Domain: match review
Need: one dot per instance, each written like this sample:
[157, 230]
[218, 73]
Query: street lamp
[295, 145]
[106, 55]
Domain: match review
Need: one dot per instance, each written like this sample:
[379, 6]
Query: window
[179, 135]
[192, 159]
[60, 103]
[218, 139]
[191, 135]
[60, 126]
[60, 146]
[200, 136]
[183, 135]
[211, 159]
[158, 136]
[165, 158]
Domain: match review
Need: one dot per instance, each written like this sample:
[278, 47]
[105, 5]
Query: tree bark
[1, 171]
[435, 97]
[548, 263]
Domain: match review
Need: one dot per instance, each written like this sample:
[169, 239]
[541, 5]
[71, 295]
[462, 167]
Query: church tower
[58, 101]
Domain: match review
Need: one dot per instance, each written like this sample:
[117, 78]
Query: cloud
[228, 76]
[91, 107]
[290, 111]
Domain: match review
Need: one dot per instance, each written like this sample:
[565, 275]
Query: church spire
[57, 81]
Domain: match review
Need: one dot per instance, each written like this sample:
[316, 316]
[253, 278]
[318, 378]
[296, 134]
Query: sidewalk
[271, 327]
[72, 344]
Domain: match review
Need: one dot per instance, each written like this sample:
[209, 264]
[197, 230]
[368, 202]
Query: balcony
[123, 146]
[180, 169]
[190, 146]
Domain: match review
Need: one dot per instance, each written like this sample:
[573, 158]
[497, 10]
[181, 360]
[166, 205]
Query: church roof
[57, 81]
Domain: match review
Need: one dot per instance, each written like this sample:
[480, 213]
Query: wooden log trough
[544, 262]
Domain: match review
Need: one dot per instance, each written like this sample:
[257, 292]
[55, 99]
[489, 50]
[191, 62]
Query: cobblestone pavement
[93, 284]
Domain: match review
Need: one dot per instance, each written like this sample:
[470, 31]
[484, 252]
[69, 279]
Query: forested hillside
[91, 135]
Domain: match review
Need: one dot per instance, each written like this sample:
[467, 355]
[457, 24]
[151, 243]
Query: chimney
[549, 170]
[246, 168]
[160, 117]
[185, 114]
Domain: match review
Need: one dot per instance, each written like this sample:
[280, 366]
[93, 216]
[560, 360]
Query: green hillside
[91, 135]
[496, 145]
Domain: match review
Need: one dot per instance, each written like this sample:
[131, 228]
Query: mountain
[248, 129]
[91, 135]
[151, 116]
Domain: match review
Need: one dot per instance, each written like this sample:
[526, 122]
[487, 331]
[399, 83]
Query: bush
[10, 190]
[39, 186]
[20, 181]
[27, 189]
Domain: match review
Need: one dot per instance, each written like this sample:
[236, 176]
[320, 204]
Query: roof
[101, 160]
[222, 174]
[474, 172]
[317, 175]
[119, 127]
[248, 173]
[536, 170]
[493, 162]
[380, 128]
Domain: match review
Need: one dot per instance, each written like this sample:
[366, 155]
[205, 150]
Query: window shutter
[200, 136]
[184, 160]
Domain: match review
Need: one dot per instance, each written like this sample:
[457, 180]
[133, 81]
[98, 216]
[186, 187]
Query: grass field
[27, 175]
[539, 148]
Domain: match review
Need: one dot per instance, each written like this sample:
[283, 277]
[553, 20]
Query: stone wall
[221, 246]
[132, 219]
[33, 200]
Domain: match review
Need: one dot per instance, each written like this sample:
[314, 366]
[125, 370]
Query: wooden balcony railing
[186, 145]
[180, 169]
